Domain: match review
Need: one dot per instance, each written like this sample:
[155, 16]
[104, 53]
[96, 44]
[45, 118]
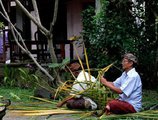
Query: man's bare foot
[107, 110]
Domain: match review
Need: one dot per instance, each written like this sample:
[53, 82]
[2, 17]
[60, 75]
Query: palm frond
[43, 112]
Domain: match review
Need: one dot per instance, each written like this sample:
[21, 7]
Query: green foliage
[21, 77]
[10, 75]
[14, 93]
[14, 96]
[60, 65]
[110, 32]
[1, 25]
[120, 27]
[26, 79]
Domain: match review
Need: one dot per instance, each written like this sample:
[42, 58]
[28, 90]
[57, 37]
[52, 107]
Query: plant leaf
[54, 65]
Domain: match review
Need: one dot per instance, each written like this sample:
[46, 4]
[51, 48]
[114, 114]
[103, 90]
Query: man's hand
[110, 85]
[103, 80]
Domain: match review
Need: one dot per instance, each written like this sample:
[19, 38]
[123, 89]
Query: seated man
[128, 86]
[80, 102]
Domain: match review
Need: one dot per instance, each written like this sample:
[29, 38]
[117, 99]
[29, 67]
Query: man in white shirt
[128, 86]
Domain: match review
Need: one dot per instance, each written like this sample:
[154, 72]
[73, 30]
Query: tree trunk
[156, 37]
[51, 50]
[97, 6]
[54, 59]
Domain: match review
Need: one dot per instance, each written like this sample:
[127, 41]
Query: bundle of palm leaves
[100, 95]
[88, 88]
[94, 90]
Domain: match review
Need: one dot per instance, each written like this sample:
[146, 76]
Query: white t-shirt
[131, 85]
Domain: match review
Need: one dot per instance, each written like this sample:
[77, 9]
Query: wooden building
[68, 24]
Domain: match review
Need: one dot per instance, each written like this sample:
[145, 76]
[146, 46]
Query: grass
[16, 94]
[22, 100]
[150, 98]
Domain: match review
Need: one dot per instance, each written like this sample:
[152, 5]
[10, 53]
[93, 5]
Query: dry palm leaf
[43, 112]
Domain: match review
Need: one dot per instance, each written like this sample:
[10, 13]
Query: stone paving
[10, 116]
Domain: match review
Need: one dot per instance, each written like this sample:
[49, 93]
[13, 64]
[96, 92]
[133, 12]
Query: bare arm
[110, 85]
